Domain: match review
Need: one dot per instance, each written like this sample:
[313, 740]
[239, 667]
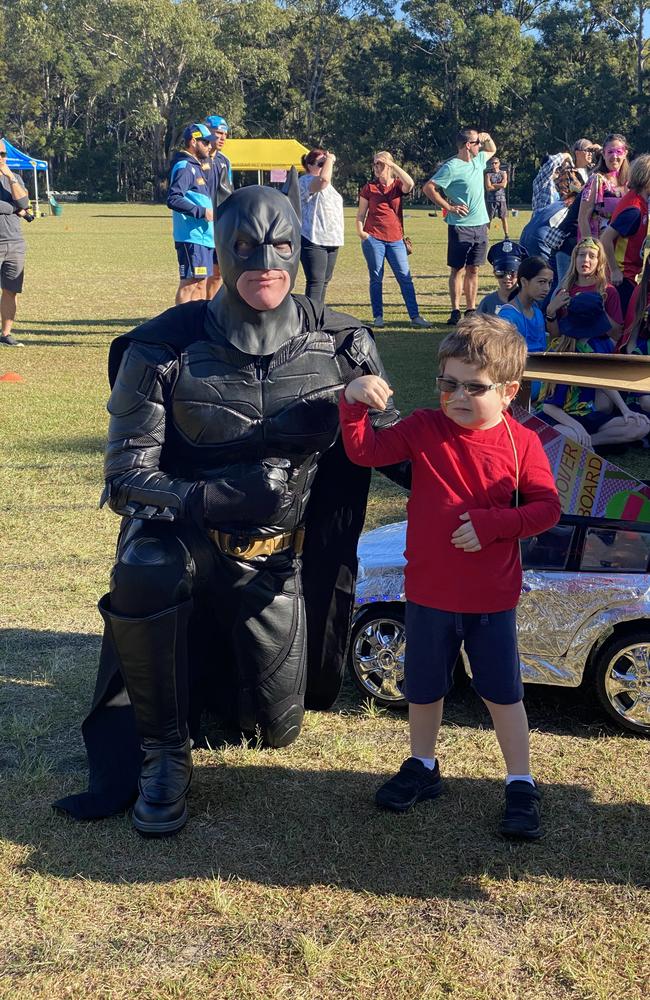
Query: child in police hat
[505, 258]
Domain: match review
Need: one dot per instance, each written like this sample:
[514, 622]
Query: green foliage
[104, 87]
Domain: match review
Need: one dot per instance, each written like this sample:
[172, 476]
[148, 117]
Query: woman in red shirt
[379, 226]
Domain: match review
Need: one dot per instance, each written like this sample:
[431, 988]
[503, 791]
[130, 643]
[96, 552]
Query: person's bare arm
[18, 192]
[586, 211]
[435, 195]
[488, 144]
[564, 418]
[362, 212]
[325, 177]
[489, 184]
[503, 183]
[405, 179]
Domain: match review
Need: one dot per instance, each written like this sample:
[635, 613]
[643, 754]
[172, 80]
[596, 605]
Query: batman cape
[224, 438]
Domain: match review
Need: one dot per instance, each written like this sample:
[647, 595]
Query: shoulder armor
[143, 369]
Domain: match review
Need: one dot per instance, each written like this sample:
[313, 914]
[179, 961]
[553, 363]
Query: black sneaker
[469, 312]
[10, 341]
[454, 317]
[521, 816]
[412, 783]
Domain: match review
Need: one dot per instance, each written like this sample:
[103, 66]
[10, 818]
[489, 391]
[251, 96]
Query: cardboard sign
[588, 485]
[611, 371]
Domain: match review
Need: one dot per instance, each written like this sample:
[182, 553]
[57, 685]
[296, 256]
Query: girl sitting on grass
[587, 414]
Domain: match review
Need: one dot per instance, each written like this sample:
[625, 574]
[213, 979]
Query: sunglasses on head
[450, 385]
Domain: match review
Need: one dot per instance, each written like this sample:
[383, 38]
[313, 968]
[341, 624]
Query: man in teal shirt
[458, 187]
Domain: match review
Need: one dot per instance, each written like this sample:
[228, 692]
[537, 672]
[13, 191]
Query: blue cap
[216, 121]
[507, 255]
[585, 318]
[196, 131]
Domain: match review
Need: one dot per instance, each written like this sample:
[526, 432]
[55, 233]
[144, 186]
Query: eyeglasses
[615, 151]
[474, 142]
[505, 274]
[451, 385]
[3, 152]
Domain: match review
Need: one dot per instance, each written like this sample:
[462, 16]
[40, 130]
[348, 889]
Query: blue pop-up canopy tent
[17, 160]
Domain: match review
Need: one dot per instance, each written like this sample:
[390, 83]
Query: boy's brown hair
[492, 344]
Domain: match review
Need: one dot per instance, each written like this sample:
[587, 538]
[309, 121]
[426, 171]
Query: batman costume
[240, 513]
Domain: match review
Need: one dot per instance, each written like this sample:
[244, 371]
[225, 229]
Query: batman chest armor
[284, 405]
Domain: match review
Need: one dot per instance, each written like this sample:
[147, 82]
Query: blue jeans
[376, 252]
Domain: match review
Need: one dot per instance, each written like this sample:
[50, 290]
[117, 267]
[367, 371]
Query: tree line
[103, 88]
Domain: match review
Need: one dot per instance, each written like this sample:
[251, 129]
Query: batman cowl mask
[257, 229]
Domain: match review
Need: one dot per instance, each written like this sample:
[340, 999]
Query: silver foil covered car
[583, 616]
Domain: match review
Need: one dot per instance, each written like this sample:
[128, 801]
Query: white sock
[520, 777]
[429, 762]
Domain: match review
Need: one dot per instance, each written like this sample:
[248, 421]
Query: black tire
[622, 679]
[378, 635]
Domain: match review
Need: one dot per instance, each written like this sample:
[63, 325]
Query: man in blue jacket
[222, 185]
[190, 199]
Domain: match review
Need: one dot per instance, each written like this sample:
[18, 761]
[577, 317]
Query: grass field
[286, 882]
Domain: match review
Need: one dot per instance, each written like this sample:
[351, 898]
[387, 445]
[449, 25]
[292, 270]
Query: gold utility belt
[251, 546]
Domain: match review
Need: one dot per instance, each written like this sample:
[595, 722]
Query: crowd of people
[571, 283]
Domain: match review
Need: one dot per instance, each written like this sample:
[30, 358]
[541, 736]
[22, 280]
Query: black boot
[153, 660]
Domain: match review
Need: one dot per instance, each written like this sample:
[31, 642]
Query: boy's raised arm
[363, 444]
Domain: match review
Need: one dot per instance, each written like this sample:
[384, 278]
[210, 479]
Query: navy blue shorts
[194, 261]
[466, 245]
[433, 641]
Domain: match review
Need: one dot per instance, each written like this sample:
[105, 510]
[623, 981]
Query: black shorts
[466, 245]
[12, 266]
[433, 641]
[497, 209]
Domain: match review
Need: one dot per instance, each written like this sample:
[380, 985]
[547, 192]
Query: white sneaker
[420, 321]
[378, 321]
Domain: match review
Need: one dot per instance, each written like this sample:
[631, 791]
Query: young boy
[505, 258]
[481, 481]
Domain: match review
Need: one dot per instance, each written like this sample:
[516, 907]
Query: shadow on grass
[83, 445]
[302, 827]
[290, 825]
[37, 330]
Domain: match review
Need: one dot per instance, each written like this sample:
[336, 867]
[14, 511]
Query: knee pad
[284, 728]
[151, 574]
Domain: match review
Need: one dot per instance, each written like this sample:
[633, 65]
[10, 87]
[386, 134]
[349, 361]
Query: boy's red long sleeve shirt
[457, 471]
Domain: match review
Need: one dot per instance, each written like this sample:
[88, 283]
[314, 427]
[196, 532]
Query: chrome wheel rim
[378, 658]
[627, 684]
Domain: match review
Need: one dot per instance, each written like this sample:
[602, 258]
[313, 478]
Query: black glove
[247, 495]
